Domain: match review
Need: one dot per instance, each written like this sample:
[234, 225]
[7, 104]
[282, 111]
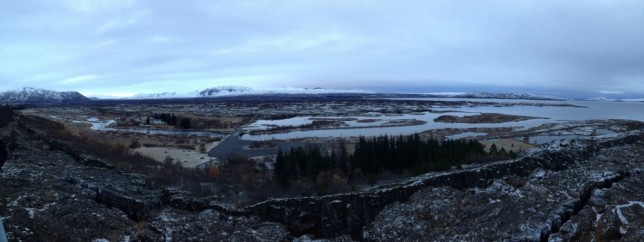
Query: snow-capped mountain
[225, 91]
[615, 99]
[240, 90]
[506, 95]
[209, 92]
[29, 95]
[165, 95]
[600, 99]
[632, 100]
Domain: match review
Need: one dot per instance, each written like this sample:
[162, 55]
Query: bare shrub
[134, 144]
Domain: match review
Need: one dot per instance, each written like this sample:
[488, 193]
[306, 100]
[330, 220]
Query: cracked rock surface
[598, 198]
[46, 195]
[558, 194]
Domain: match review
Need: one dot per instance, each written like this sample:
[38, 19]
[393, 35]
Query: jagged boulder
[613, 213]
[210, 225]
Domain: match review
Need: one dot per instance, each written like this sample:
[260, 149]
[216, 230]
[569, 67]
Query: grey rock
[48, 195]
[556, 193]
[554, 204]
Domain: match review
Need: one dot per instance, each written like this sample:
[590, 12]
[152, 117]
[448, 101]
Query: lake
[590, 110]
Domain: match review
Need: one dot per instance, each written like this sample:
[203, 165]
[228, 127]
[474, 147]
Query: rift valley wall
[349, 213]
[329, 216]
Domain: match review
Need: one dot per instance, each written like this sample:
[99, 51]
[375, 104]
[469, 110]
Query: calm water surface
[590, 110]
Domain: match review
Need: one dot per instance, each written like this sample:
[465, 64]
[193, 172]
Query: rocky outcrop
[610, 213]
[47, 195]
[78, 155]
[52, 144]
[564, 191]
[332, 215]
[548, 205]
[211, 225]
[135, 199]
[501, 211]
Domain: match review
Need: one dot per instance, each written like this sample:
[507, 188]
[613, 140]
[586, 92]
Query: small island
[483, 118]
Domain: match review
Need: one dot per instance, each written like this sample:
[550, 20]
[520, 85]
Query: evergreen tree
[172, 119]
[280, 172]
[512, 155]
[342, 159]
[185, 123]
[291, 165]
[383, 153]
[493, 149]
[503, 152]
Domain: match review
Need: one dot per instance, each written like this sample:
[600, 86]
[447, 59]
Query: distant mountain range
[240, 90]
[507, 95]
[209, 92]
[616, 99]
[29, 95]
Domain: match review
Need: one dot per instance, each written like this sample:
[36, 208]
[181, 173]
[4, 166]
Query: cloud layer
[129, 46]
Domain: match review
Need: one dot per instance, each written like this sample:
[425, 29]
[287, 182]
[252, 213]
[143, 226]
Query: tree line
[373, 156]
[302, 162]
[170, 119]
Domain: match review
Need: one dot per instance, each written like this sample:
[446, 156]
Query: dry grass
[507, 144]
[184, 157]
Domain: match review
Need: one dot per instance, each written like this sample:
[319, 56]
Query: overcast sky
[119, 47]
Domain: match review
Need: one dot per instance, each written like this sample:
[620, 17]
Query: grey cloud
[587, 46]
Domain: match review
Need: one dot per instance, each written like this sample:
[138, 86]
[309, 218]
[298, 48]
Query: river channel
[583, 110]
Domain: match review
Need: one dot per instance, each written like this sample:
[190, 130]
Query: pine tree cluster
[413, 154]
[372, 156]
[171, 119]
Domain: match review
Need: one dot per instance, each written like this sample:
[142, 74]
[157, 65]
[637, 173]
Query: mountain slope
[505, 96]
[239, 90]
[164, 95]
[225, 90]
[28, 95]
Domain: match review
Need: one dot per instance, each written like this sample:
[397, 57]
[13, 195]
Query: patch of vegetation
[378, 156]
[280, 116]
[482, 118]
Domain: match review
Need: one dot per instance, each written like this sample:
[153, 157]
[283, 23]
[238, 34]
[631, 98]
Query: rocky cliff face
[48, 195]
[594, 199]
[349, 213]
[562, 192]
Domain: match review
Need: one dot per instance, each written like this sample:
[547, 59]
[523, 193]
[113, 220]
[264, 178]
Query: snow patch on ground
[601, 176]
[97, 124]
[618, 210]
[32, 212]
[539, 174]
